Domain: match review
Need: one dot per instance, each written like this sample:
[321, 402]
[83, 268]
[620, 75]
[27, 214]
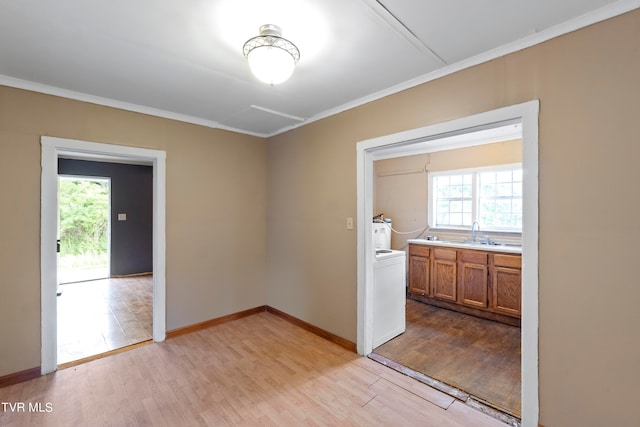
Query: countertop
[468, 245]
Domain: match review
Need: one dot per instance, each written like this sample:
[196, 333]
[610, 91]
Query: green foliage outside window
[84, 217]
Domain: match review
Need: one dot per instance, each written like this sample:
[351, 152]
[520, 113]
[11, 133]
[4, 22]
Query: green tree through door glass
[84, 228]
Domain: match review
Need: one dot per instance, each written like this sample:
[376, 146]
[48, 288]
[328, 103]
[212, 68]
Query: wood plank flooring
[258, 370]
[478, 356]
[102, 315]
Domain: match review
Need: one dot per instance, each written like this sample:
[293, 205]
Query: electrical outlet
[122, 217]
[349, 223]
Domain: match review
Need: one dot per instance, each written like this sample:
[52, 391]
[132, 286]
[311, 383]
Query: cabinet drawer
[513, 261]
[447, 254]
[474, 257]
[419, 250]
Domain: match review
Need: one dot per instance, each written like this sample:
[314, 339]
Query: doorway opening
[101, 309]
[54, 149]
[455, 332]
[440, 137]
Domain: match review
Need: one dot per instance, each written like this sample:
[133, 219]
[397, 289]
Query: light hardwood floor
[102, 315]
[258, 370]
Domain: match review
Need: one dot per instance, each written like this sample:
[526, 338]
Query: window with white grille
[491, 196]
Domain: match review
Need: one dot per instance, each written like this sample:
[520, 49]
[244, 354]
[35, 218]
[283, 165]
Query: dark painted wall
[131, 193]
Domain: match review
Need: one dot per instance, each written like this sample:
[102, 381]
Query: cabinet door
[506, 282]
[444, 271]
[507, 290]
[474, 278]
[418, 275]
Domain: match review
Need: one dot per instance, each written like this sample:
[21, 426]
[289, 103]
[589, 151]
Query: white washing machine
[389, 295]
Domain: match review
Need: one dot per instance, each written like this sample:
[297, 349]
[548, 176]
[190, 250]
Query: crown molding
[598, 15]
[610, 11]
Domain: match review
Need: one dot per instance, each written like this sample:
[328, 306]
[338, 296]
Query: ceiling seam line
[404, 31]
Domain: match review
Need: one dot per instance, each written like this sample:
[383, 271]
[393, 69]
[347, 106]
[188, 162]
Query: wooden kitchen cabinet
[506, 284]
[419, 268]
[444, 274]
[479, 282]
[473, 278]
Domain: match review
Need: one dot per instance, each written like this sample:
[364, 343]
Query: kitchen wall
[215, 211]
[400, 184]
[587, 84]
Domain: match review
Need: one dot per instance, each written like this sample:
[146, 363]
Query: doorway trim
[526, 114]
[52, 149]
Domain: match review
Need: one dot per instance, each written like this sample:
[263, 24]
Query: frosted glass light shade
[271, 57]
[271, 64]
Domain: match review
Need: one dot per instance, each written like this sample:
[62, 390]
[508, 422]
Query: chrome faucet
[473, 231]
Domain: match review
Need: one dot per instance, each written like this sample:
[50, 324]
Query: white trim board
[52, 149]
[527, 115]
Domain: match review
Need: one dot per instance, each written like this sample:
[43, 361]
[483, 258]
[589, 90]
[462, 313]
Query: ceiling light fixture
[271, 57]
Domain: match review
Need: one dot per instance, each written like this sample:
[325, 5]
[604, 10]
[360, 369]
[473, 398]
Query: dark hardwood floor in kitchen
[478, 356]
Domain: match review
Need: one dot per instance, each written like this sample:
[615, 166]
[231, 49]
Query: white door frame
[52, 149]
[527, 115]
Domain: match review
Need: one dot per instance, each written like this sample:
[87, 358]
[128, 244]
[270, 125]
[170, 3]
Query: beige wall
[588, 87]
[400, 184]
[311, 254]
[216, 209]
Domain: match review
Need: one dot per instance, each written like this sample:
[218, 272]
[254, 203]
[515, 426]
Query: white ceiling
[183, 59]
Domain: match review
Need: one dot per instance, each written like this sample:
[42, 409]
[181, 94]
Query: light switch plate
[349, 223]
[122, 217]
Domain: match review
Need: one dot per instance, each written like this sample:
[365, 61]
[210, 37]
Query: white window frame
[431, 205]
